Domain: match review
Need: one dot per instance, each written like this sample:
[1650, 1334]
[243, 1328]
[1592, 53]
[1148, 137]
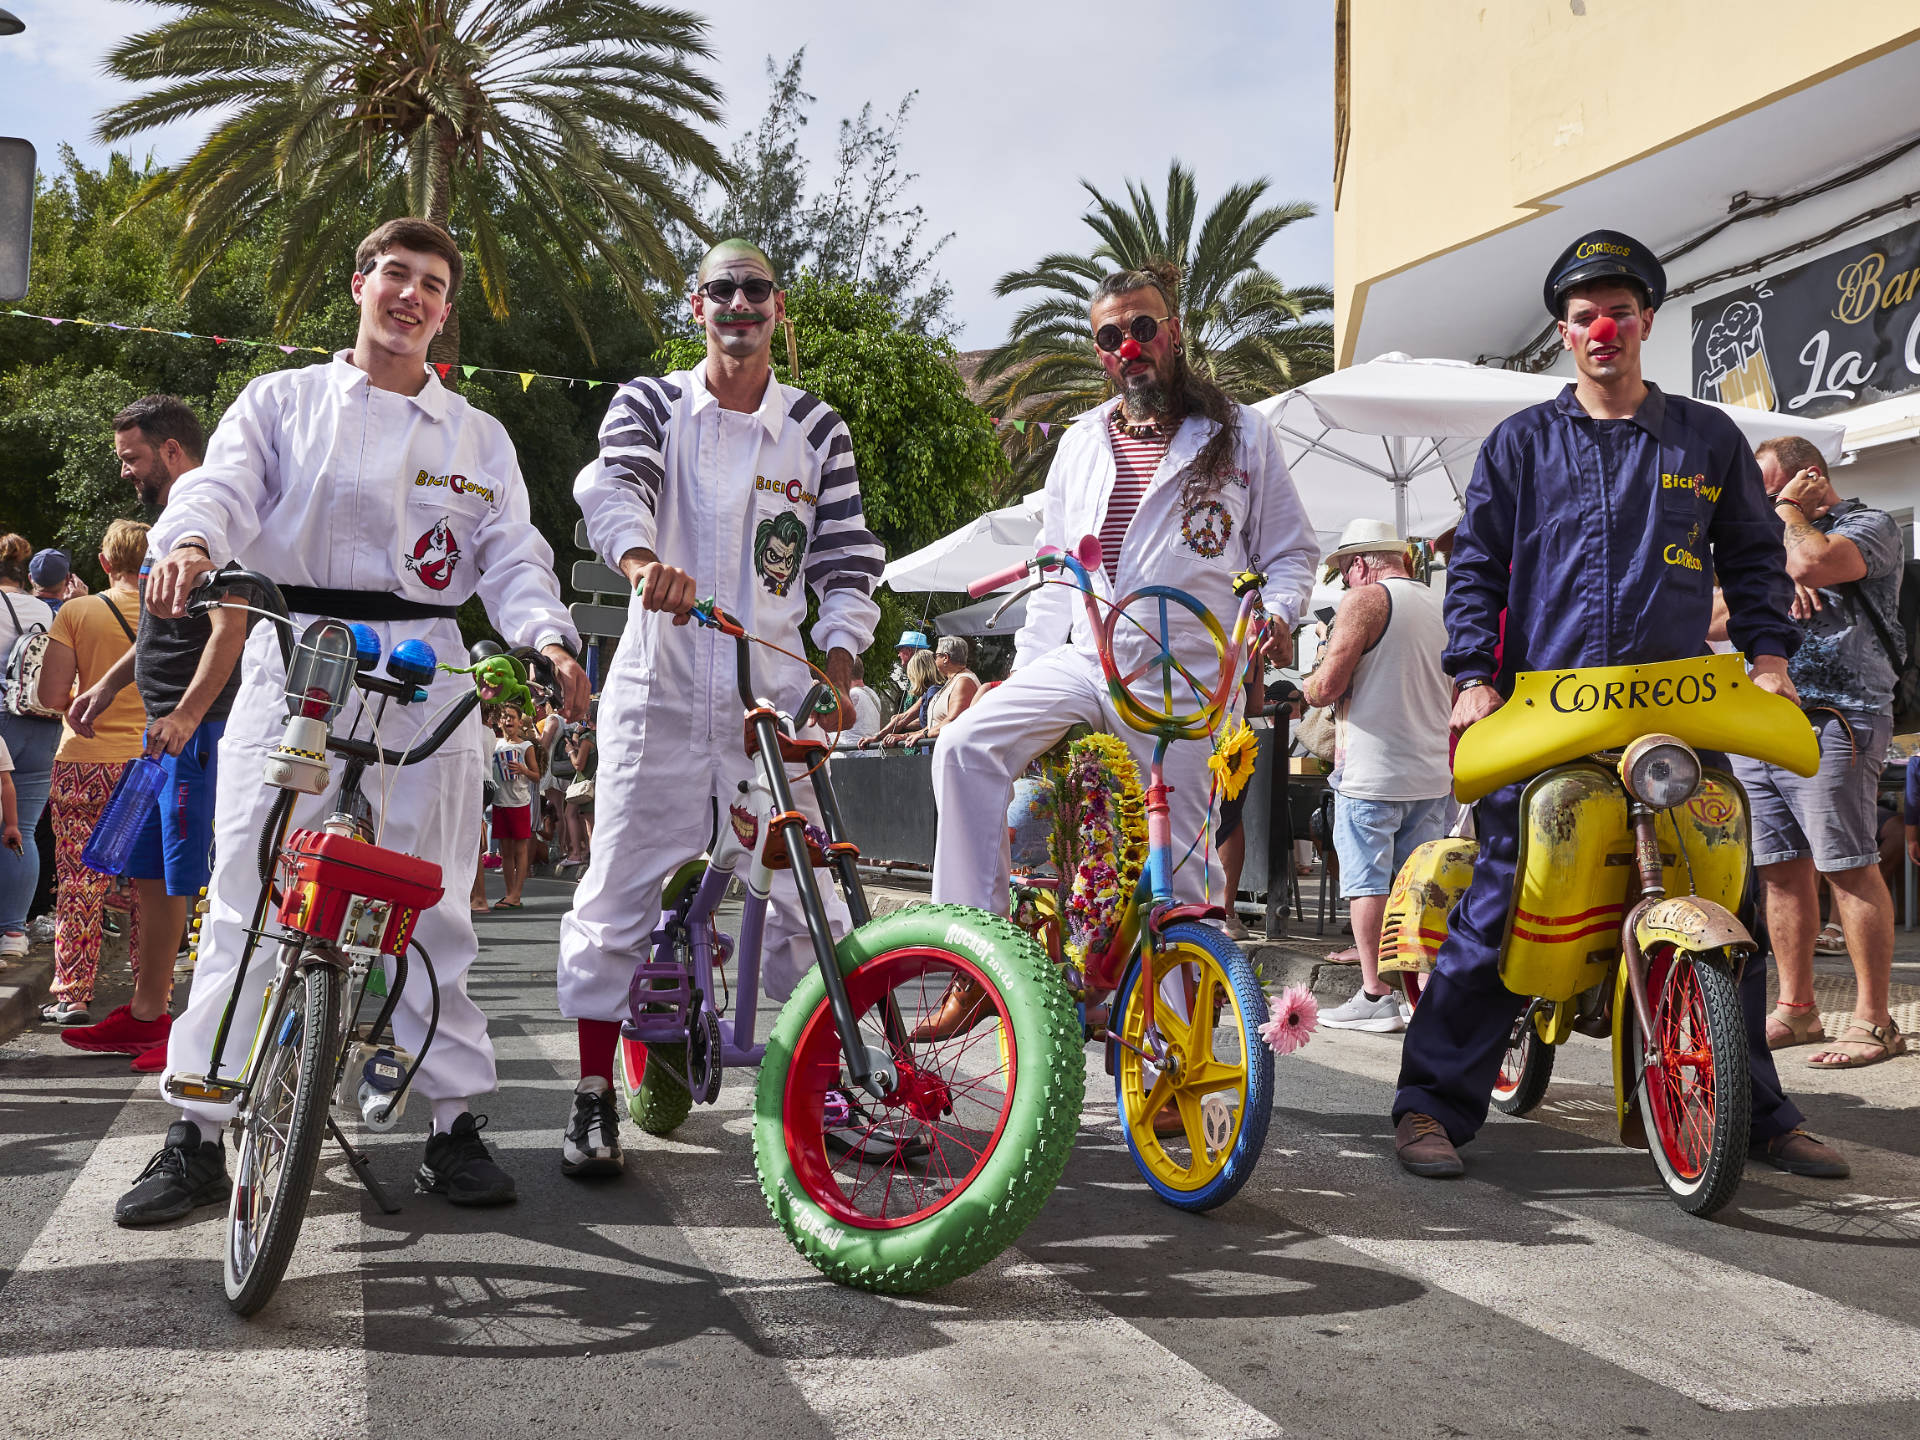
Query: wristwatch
[1778, 501]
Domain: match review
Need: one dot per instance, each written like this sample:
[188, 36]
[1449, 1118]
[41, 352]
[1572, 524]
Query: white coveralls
[1254, 521]
[315, 477]
[757, 508]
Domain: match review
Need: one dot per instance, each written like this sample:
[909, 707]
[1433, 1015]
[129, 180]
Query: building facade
[1769, 151]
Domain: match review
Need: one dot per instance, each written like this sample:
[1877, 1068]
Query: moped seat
[1555, 716]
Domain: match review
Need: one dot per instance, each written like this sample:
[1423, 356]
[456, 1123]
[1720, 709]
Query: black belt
[366, 605]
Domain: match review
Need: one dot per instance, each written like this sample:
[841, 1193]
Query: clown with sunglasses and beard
[1185, 488]
[717, 481]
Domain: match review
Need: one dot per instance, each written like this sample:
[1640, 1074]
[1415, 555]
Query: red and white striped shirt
[1135, 462]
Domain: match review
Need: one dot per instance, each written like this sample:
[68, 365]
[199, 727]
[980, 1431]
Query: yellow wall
[1462, 117]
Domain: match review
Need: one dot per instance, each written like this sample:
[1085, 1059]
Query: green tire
[1038, 1117]
[657, 1102]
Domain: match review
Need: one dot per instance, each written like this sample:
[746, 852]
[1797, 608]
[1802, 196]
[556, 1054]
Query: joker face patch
[779, 545]
[434, 556]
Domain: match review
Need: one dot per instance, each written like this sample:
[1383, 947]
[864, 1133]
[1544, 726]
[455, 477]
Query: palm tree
[551, 127]
[1252, 335]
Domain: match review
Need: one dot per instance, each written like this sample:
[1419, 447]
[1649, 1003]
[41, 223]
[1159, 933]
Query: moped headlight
[1660, 771]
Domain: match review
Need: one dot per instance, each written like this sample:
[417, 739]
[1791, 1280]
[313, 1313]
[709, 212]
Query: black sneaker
[591, 1145]
[460, 1167]
[184, 1174]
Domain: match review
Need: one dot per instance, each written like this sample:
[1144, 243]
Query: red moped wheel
[1695, 1091]
[1526, 1068]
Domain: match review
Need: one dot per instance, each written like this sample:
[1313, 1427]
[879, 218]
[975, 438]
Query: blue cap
[412, 662]
[49, 569]
[912, 640]
[1605, 255]
[366, 646]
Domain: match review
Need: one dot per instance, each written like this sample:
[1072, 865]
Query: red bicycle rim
[1680, 1086]
[899, 1160]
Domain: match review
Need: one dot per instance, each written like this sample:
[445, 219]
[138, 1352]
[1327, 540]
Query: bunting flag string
[526, 377]
[445, 369]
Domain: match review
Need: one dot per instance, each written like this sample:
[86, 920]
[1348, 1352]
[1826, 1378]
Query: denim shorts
[1373, 838]
[176, 842]
[1832, 816]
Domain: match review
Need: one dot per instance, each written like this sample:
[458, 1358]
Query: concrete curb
[24, 988]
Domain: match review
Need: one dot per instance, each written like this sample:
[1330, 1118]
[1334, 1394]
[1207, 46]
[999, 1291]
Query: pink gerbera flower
[1293, 1016]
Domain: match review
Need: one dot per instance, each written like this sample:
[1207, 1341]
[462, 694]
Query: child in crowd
[516, 763]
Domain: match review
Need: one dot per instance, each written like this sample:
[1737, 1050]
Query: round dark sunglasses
[723, 291]
[1142, 328]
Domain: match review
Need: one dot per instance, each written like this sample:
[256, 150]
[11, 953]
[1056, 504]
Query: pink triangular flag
[286, 349]
[1044, 427]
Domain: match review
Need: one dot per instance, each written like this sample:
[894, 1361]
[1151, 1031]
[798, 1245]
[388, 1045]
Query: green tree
[555, 129]
[1243, 328]
[926, 454]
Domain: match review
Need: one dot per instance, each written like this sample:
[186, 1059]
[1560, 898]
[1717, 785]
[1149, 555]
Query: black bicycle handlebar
[217, 583]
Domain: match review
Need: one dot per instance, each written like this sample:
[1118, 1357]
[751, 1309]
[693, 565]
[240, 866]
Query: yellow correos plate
[1559, 715]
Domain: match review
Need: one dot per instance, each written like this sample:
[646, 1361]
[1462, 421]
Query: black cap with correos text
[1603, 255]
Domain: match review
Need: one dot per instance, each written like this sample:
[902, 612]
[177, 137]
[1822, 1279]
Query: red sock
[597, 1041]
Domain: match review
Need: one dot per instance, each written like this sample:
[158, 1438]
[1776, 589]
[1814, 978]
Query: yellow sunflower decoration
[1234, 757]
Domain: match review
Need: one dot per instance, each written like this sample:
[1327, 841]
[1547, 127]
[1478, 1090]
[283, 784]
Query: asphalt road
[1554, 1291]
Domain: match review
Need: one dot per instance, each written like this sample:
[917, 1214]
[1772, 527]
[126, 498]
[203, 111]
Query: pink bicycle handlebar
[1087, 552]
[1000, 579]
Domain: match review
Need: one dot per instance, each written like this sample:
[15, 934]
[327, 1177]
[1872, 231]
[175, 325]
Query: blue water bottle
[111, 843]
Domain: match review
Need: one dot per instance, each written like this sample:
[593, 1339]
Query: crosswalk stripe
[1010, 1350]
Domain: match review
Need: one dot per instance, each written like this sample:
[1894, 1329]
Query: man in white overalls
[368, 492]
[717, 481]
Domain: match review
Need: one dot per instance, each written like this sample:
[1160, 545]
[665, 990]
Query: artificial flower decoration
[1293, 1016]
[1099, 838]
[1234, 757]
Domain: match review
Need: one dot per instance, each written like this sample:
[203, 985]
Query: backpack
[24, 659]
[1903, 648]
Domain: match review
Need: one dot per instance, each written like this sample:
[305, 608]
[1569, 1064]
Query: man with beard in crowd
[187, 671]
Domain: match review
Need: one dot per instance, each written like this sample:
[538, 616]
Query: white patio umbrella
[986, 543]
[1416, 426]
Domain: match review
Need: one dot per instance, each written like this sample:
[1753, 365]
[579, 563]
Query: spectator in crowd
[912, 642]
[186, 672]
[960, 687]
[583, 755]
[1392, 773]
[869, 715]
[30, 741]
[88, 638]
[1845, 560]
[516, 772]
[53, 578]
[550, 795]
[923, 688]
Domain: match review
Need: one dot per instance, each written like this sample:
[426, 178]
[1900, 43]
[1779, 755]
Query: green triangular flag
[467, 370]
[1021, 426]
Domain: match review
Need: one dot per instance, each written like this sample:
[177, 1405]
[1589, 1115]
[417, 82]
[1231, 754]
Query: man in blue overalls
[1575, 530]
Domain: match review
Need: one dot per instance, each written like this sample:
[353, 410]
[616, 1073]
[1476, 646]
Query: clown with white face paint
[368, 492]
[717, 481]
[1185, 488]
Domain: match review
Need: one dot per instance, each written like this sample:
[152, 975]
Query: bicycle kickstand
[363, 1168]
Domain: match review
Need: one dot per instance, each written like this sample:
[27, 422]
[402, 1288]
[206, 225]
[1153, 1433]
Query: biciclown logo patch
[779, 545]
[435, 555]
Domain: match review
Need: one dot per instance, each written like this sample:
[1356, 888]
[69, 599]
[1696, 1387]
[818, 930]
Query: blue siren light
[366, 646]
[412, 662]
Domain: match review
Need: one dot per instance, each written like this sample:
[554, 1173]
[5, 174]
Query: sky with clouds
[1017, 104]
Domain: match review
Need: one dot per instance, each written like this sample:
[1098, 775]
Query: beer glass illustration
[1737, 358]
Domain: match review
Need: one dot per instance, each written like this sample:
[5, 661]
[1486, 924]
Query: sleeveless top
[1391, 740]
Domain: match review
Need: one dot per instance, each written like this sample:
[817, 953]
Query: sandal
[1882, 1042]
[1790, 1025]
[1831, 940]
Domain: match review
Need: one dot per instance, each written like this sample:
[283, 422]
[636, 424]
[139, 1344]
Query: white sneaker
[1377, 1016]
[13, 945]
[591, 1145]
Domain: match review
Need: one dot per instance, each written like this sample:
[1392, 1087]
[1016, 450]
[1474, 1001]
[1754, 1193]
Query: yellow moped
[1633, 862]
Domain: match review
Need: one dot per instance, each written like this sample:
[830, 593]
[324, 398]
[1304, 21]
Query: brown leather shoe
[1798, 1153]
[1424, 1148]
[964, 1006]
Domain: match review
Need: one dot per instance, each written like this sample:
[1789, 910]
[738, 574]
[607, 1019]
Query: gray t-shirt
[166, 653]
[1842, 661]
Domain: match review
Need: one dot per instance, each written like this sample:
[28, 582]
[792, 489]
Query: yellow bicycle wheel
[1218, 1079]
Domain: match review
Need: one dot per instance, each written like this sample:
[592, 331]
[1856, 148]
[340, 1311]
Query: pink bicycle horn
[1088, 552]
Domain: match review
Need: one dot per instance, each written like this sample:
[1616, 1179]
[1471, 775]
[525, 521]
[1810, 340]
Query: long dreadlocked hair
[1191, 393]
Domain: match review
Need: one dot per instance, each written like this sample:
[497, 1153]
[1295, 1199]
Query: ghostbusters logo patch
[435, 555]
[779, 545]
[1206, 527]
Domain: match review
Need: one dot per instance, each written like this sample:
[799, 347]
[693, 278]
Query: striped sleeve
[619, 493]
[844, 564]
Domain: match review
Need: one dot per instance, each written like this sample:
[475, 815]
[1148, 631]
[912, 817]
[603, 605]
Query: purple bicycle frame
[661, 981]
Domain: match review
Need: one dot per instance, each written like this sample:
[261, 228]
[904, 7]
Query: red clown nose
[1129, 349]
[1603, 330]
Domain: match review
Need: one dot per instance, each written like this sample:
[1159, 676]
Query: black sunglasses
[1142, 327]
[723, 291]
